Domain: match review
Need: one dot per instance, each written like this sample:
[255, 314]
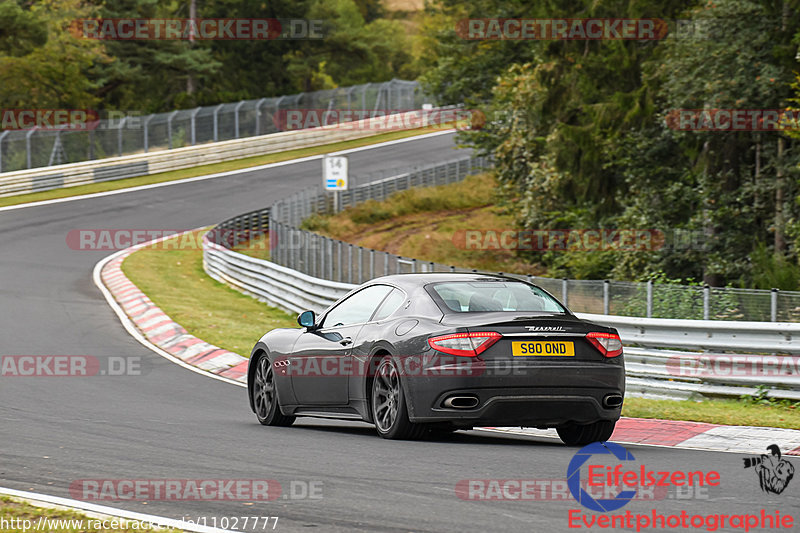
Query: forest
[586, 133]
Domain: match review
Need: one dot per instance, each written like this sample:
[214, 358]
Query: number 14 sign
[334, 173]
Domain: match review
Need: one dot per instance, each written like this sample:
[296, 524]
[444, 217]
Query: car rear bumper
[537, 396]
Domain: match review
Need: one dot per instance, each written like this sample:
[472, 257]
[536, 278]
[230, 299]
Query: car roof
[420, 279]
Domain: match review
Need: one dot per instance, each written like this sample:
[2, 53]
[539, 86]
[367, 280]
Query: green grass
[428, 224]
[175, 281]
[11, 509]
[208, 169]
[725, 412]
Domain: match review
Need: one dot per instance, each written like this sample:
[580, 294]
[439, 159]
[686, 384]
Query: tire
[388, 403]
[583, 434]
[265, 397]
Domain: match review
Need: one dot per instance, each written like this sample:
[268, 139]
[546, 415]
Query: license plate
[543, 348]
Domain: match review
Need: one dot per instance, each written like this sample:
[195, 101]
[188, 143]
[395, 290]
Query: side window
[358, 308]
[390, 304]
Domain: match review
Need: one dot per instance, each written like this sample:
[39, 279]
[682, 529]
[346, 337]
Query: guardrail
[665, 358]
[651, 371]
[276, 285]
[56, 177]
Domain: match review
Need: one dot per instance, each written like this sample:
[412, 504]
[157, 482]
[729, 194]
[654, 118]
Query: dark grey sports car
[414, 353]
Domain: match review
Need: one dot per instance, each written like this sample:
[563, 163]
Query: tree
[44, 65]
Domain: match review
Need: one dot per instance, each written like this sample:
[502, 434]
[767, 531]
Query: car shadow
[459, 437]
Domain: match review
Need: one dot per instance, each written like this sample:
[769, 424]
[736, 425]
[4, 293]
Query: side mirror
[307, 319]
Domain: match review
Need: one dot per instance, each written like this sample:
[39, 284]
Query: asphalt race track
[171, 423]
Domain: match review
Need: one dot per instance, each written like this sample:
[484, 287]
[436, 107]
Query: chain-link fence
[131, 134]
[334, 260]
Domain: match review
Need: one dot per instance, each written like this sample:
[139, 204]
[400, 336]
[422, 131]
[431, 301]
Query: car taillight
[465, 344]
[609, 344]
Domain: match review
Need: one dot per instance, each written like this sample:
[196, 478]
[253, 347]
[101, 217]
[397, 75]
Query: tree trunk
[193, 16]
[709, 228]
[780, 185]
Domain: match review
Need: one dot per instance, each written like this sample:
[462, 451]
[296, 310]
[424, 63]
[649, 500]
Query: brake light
[465, 344]
[608, 344]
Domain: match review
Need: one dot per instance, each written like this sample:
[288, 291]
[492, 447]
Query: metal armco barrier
[665, 358]
[56, 177]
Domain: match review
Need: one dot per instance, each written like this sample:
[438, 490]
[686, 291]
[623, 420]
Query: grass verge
[725, 412]
[429, 224]
[27, 517]
[175, 281]
[225, 166]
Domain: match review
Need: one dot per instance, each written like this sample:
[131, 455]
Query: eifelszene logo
[620, 482]
[774, 473]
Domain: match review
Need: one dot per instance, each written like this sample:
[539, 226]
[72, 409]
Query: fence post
[452, 268]
[321, 265]
[371, 264]
[258, 115]
[360, 264]
[385, 263]
[650, 298]
[305, 235]
[2, 136]
[216, 122]
[606, 305]
[329, 251]
[339, 260]
[236, 119]
[773, 305]
[706, 302]
[194, 128]
[119, 135]
[146, 140]
[564, 294]
[169, 127]
[28, 145]
[349, 263]
[277, 110]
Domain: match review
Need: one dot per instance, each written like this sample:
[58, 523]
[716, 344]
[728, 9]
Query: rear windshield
[483, 296]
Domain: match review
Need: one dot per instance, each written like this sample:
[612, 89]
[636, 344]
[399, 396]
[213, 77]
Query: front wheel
[265, 397]
[583, 434]
[389, 410]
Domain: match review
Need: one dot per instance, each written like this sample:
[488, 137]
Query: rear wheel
[388, 404]
[265, 397]
[583, 434]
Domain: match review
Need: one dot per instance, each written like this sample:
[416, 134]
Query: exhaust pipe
[461, 402]
[612, 401]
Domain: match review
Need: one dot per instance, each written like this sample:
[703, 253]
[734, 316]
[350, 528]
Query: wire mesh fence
[138, 133]
[334, 260]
